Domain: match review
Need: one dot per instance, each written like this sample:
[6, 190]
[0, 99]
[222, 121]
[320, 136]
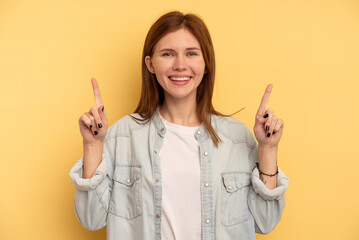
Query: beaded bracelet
[269, 175]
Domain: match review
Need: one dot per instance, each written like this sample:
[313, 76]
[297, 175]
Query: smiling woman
[167, 30]
[179, 67]
[176, 168]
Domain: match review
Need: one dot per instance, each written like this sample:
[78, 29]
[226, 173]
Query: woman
[176, 168]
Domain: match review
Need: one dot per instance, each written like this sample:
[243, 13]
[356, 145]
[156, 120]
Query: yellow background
[309, 50]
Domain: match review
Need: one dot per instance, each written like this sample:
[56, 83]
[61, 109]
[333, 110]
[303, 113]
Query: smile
[179, 81]
[180, 78]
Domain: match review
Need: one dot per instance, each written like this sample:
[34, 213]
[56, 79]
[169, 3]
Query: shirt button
[207, 221]
[198, 132]
[229, 187]
[205, 153]
[155, 152]
[162, 129]
[128, 181]
[157, 216]
[157, 179]
[206, 184]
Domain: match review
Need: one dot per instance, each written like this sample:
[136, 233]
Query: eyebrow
[172, 50]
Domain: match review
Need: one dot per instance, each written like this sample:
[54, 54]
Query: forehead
[177, 40]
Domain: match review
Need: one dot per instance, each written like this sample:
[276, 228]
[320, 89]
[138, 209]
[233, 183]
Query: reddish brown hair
[152, 94]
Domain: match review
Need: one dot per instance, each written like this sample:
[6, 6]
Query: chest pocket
[234, 206]
[126, 198]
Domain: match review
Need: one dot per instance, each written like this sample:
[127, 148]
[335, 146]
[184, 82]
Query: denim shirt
[125, 191]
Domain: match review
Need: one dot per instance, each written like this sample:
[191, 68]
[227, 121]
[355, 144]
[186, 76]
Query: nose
[179, 63]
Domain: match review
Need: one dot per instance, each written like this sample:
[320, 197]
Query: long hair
[152, 94]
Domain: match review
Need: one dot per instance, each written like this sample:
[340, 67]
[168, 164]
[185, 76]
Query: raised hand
[268, 128]
[93, 124]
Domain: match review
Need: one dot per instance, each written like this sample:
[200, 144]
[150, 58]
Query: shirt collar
[201, 133]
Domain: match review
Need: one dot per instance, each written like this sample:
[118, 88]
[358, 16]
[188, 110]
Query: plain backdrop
[308, 50]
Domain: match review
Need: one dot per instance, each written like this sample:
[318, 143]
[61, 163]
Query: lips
[180, 77]
[180, 80]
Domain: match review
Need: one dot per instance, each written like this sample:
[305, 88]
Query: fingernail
[90, 126]
[265, 116]
[268, 134]
[95, 132]
[273, 133]
[267, 128]
[103, 107]
[99, 125]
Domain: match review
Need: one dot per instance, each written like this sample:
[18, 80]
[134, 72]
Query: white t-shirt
[181, 198]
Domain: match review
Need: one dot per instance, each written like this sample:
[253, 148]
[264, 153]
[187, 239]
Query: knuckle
[84, 118]
[93, 109]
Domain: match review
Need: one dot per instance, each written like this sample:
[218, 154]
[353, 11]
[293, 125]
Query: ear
[149, 64]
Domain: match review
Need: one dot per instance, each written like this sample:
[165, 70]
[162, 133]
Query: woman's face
[178, 64]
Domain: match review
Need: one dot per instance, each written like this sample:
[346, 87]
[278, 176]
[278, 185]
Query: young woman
[177, 168]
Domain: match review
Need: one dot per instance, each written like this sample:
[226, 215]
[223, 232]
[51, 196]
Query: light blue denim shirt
[125, 192]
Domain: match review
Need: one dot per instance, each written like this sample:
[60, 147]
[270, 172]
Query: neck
[180, 112]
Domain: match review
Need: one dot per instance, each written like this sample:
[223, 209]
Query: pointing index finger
[96, 92]
[265, 98]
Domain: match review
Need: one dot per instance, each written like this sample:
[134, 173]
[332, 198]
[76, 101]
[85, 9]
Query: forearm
[92, 158]
[267, 159]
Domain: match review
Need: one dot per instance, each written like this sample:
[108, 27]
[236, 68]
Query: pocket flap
[235, 181]
[127, 175]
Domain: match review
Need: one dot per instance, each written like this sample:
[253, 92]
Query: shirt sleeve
[261, 189]
[266, 205]
[83, 184]
[92, 195]
[266, 193]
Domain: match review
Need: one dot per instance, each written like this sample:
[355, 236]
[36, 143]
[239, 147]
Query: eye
[192, 54]
[166, 54]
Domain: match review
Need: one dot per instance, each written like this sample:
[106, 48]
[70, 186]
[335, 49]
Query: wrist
[267, 148]
[267, 157]
[93, 145]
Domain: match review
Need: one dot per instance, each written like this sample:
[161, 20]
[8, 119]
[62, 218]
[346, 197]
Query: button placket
[207, 191]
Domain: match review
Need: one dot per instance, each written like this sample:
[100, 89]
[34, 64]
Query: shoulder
[233, 129]
[125, 126]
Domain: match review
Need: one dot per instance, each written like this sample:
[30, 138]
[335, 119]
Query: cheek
[200, 68]
[162, 67]
[200, 65]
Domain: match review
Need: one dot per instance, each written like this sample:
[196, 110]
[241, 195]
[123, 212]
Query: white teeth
[180, 79]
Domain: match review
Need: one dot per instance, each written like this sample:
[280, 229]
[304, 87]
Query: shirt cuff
[89, 183]
[270, 194]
